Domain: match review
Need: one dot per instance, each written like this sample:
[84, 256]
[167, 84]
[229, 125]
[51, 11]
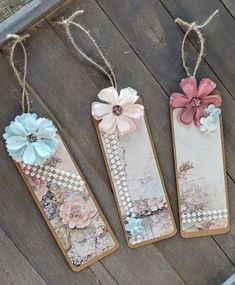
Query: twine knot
[196, 28]
[69, 21]
[18, 39]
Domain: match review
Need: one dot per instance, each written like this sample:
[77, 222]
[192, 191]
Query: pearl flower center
[117, 110]
[195, 102]
[32, 138]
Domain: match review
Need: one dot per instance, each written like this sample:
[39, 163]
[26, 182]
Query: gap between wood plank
[225, 6]
[14, 245]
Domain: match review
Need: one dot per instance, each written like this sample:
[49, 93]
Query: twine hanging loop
[196, 28]
[18, 39]
[70, 21]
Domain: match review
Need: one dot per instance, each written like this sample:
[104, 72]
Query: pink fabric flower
[194, 100]
[77, 212]
[121, 111]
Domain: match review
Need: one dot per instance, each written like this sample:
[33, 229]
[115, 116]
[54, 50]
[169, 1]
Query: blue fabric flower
[134, 225]
[31, 140]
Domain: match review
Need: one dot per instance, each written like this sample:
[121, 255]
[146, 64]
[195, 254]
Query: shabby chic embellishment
[210, 123]
[134, 225]
[194, 101]
[120, 111]
[30, 139]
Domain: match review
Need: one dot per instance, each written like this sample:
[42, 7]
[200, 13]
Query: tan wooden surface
[142, 42]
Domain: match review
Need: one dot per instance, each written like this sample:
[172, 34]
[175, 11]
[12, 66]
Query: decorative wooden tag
[201, 179]
[137, 184]
[69, 208]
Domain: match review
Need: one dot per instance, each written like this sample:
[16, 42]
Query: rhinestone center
[195, 102]
[117, 110]
[32, 138]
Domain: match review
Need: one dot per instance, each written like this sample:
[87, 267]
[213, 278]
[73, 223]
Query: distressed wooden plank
[230, 5]
[227, 242]
[8, 8]
[159, 48]
[14, 268]
[20, 16]
[37, 245]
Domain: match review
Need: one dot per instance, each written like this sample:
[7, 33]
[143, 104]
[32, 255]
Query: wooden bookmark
[56, 183]
[130, 157]
[199, 152]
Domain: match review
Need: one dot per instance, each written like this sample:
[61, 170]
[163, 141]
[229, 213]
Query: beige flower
[119, 111]
[77, 212]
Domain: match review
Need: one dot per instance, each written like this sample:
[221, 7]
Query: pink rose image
[39, 186]
[195, 100]
[77, 212]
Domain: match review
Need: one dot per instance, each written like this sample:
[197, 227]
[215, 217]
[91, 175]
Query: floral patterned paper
[201, 178]
[69, 207]
[144, 209]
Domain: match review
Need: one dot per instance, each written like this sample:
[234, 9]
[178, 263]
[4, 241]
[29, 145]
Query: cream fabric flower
[120, 112]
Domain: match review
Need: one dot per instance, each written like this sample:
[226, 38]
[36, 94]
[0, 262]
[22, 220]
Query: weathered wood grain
[14, 268]
[27, 15]
[8, 8]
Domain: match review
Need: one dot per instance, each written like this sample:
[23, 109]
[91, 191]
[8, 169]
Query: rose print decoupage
[56, 183]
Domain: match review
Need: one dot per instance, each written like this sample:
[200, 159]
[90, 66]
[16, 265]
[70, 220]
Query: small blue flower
[134, 225]
[209, 124]
[31, 140]
[215, 112]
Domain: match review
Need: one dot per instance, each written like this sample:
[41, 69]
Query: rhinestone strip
[55, 176]
[204, 216]
[118, 173]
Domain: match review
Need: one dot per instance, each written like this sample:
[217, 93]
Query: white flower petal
[99, 110]
[16, 142]
[109, 95]
[42, 149]
[125, 125]
[135, 111]
[108, 123]
[128, 96]
[29, 154]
